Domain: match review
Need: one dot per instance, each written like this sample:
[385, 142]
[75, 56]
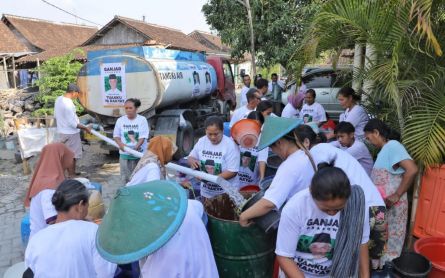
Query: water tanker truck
[178, 89]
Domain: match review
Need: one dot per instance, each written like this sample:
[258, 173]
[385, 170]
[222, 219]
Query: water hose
[113, 143]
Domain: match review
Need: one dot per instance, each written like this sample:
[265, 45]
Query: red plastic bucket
[250, 188]
[433, 248]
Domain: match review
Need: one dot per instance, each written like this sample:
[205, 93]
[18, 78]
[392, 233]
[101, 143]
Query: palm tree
[403, 61]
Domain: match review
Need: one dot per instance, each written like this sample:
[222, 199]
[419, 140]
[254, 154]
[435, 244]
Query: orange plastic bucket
[246, 133]
[433, 248]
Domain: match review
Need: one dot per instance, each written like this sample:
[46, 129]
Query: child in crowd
[346, 141]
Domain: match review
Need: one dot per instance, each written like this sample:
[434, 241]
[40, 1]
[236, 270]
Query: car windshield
[327, 79]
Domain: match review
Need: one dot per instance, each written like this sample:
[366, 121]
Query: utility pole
[246, 4]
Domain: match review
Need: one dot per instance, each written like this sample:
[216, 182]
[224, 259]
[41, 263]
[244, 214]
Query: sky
[184, 15]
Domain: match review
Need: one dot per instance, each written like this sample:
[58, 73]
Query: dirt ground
[97, 165]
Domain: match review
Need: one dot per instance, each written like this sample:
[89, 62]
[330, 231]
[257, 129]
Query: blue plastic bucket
[25, 230]
[227, 129]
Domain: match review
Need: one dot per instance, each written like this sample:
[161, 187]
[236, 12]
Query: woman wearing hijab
[293, 106]
[49, 172]
[151, 165]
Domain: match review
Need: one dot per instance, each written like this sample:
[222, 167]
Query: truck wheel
[185, 140]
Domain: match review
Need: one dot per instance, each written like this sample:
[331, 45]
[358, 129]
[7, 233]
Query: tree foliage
[408, 71]
[279, 26]
[55, 75]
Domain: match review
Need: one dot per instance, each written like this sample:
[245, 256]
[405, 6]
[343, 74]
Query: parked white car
[326, 82]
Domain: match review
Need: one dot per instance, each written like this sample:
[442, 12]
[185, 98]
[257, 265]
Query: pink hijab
[50, 169]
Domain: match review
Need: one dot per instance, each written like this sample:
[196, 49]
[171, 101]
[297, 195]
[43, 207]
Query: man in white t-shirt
[312, 111]
[68, 123]
[253, 98]
[246, 87]
[274, 81]
[347, 142]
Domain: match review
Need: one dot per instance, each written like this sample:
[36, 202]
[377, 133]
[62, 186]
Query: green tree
[55, 75]
[279, 26]
[405, 68]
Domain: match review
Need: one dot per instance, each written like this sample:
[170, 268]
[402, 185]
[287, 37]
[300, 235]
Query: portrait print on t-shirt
[247, 167]
[315, 248]
[210, 167]
[211, 164]
[307, 118]
[131, 137]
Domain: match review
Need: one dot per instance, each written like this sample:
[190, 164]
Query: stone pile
[16, 104]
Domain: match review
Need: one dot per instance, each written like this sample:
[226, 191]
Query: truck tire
[185, 140]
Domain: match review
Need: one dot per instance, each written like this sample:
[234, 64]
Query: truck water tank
[158, 77]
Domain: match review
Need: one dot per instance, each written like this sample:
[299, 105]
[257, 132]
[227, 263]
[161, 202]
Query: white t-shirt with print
[215, 159]
[325, 152]
[289, 111]
[293, 175]
[239, 114]
[67, 249]
[249, 165]
[41, 209]
[308, 235]
[360, 152]
[138, 125]
[313, 113]
[358, 117]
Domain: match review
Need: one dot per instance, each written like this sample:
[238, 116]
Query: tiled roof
[54, 52]
[210, 41]
[169, 37]
[45, 34]
[9, 42]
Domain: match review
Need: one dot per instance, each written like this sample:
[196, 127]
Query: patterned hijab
[50, 169]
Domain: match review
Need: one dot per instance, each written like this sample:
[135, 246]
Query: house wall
[120, 34]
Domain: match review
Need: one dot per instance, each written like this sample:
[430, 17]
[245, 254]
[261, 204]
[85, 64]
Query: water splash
[233, 192]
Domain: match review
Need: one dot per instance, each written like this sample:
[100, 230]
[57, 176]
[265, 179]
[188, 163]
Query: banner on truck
[113, 84]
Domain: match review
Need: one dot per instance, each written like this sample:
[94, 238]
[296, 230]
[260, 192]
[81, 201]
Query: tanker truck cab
[178, 89]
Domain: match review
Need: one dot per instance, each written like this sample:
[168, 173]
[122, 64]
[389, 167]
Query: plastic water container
[97, 186]
[227, 129]
[25, 230]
